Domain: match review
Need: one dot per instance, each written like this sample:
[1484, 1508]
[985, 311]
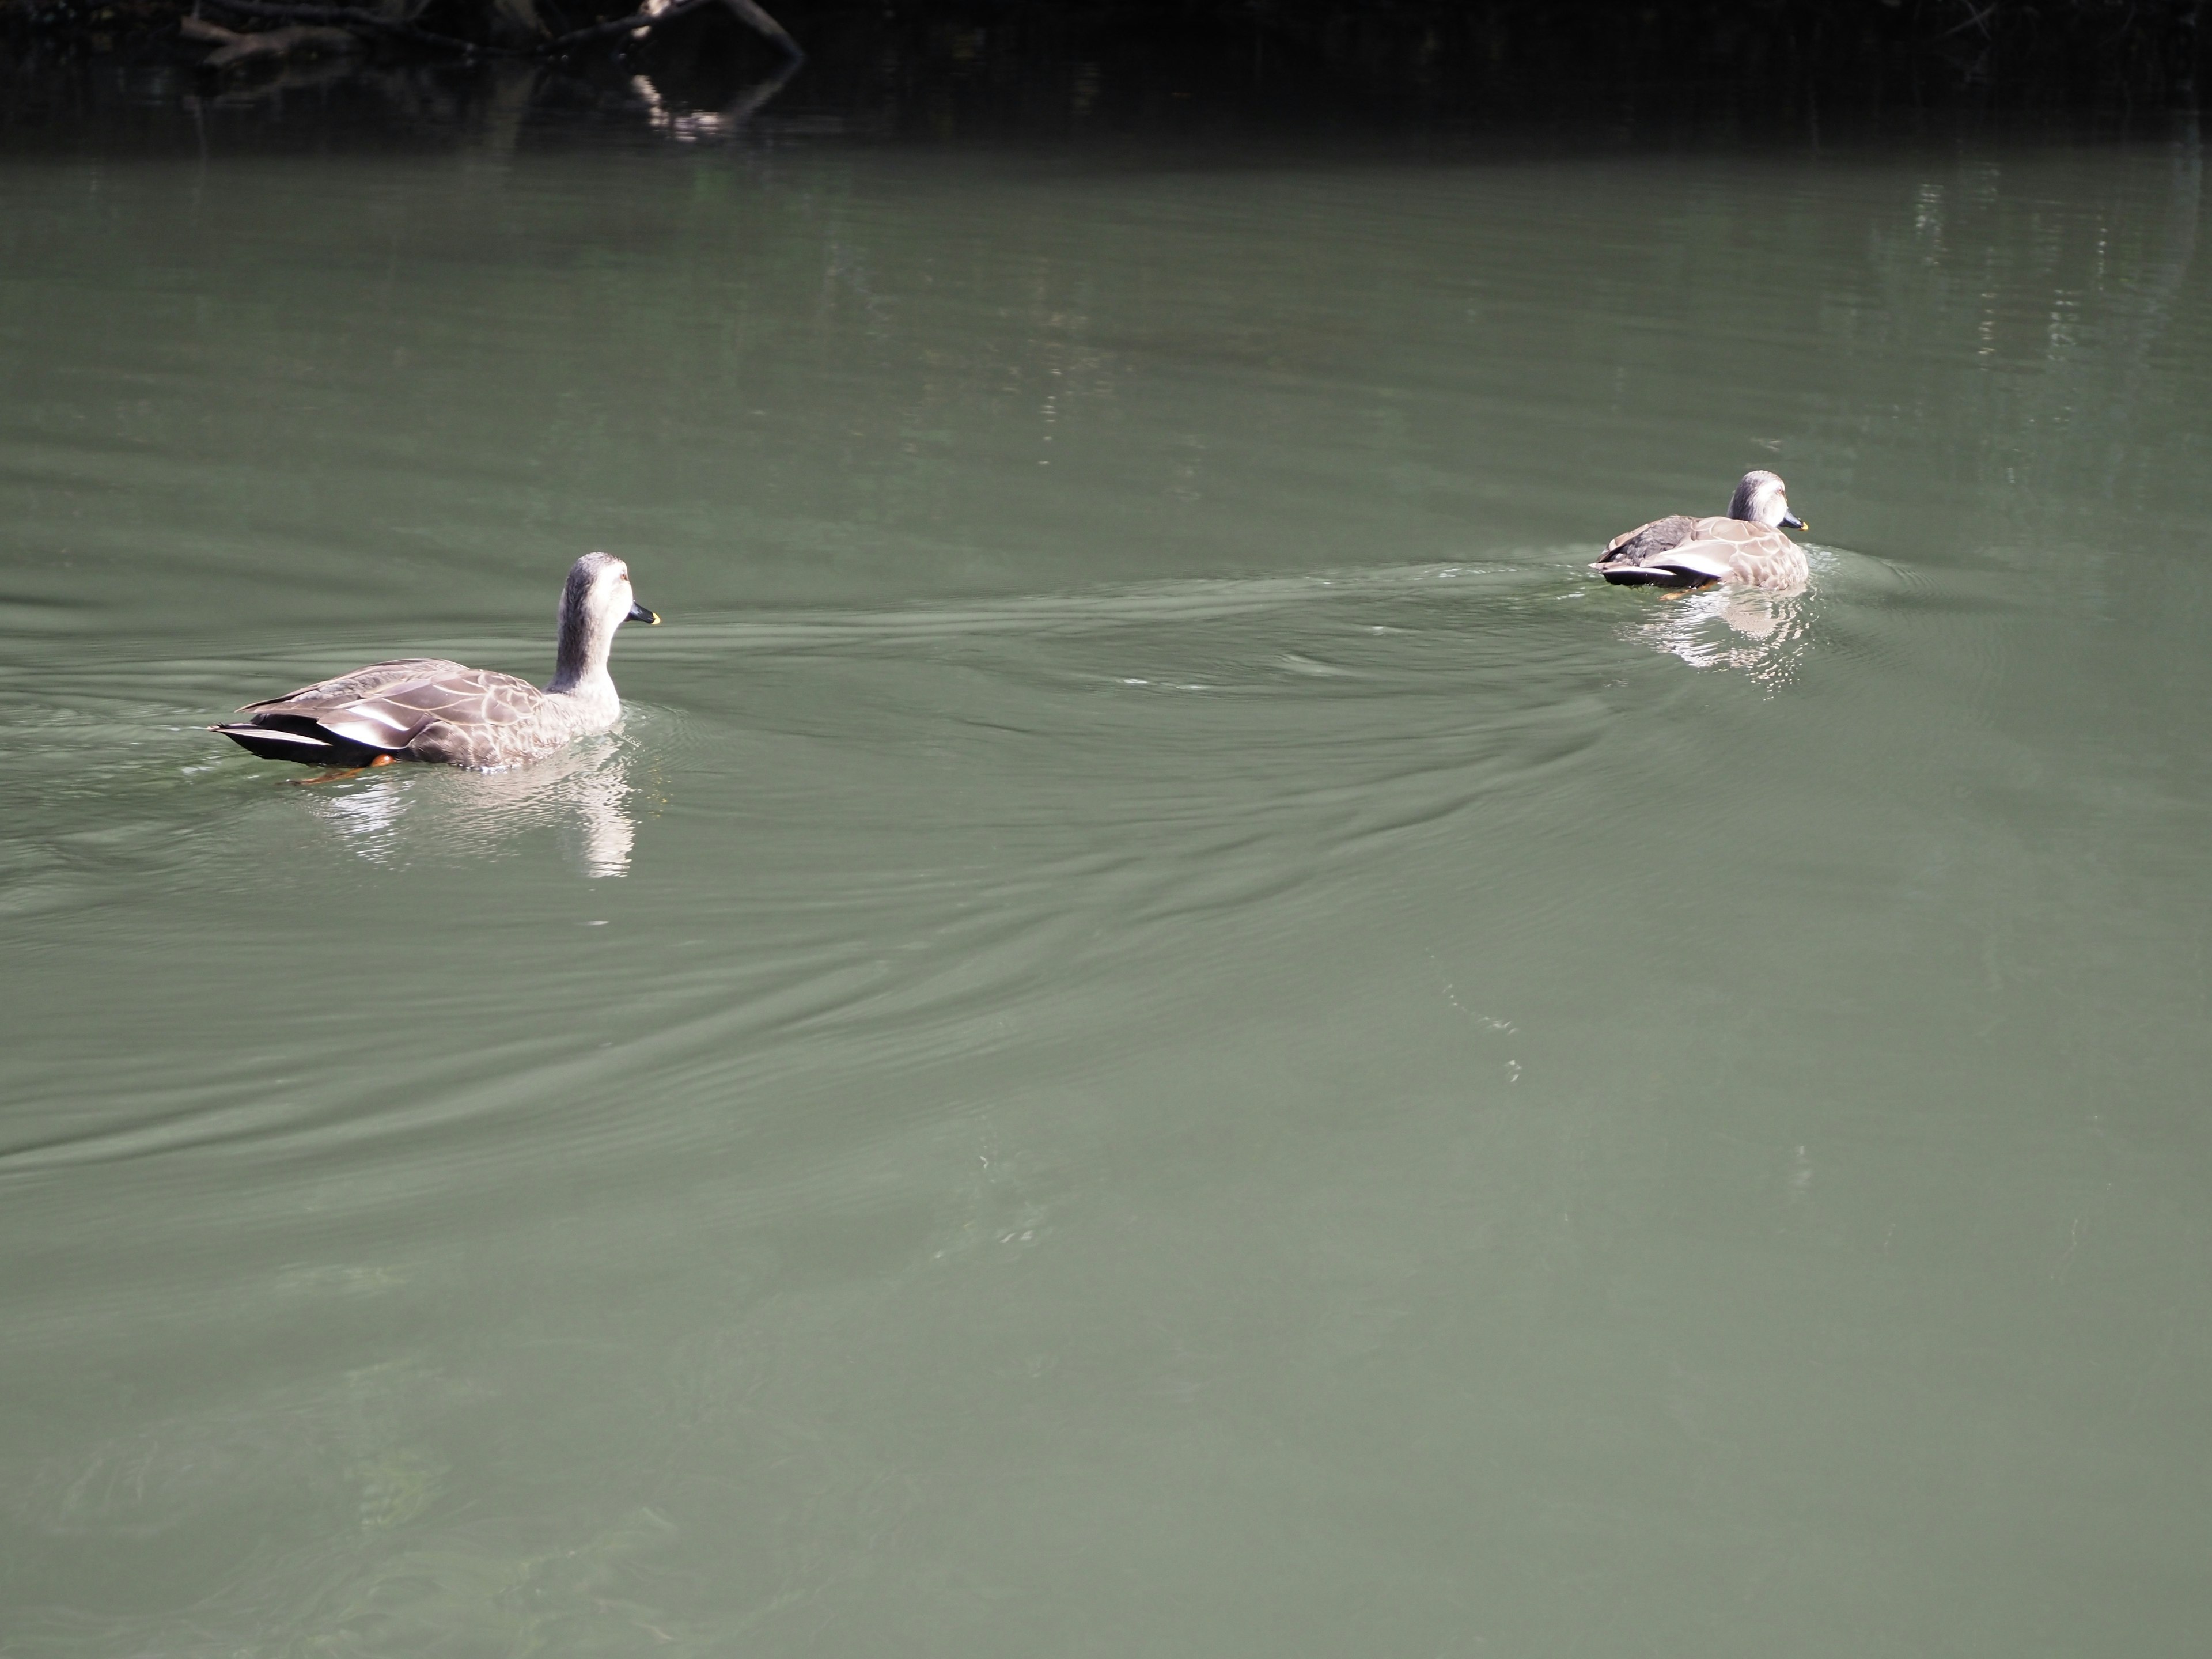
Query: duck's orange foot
[344, 772]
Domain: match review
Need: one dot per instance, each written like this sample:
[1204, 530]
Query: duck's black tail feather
[1652, 575]
[302, 741]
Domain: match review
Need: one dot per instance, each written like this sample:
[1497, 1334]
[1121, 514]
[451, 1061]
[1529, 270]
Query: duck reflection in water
[1748, 630]
[400, 815]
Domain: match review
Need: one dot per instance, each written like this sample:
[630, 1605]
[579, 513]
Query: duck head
[596, 601]
[1762, 498]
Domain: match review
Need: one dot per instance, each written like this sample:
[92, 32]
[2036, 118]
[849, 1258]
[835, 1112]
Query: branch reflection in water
[692, 126]
[397, 815]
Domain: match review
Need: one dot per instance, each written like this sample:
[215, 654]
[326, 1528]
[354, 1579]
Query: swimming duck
[1748, 546]
[429, 709]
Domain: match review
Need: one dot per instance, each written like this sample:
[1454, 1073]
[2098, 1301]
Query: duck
[426, 708]
[1746, 547]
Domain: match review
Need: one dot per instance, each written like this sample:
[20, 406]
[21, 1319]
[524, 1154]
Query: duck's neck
[579, 662]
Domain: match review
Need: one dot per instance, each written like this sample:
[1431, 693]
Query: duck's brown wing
[1648, 540]
[408, 707]
[1719, 551]
[369, 682]
[1758, 556]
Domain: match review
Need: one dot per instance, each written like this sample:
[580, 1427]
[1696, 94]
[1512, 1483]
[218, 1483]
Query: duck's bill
[1791, 521]
[639, 613]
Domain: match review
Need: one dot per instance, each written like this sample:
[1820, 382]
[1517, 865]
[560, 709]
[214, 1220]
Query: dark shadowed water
[1166, 1030]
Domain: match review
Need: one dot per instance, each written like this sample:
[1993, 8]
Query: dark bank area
[119, 74]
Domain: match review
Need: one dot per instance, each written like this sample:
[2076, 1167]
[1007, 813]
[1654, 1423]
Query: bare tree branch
[644, 22]
[355, 18]
[265, 43]
[638, 23]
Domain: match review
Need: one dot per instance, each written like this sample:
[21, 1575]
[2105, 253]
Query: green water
[1166, 1030]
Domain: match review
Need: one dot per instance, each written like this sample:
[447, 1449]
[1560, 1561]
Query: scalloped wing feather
[426, 707]
[369, 682]
[1718, 549]
[1758, 556]
[406, 716]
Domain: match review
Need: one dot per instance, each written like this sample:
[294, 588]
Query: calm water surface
[1165, 1032]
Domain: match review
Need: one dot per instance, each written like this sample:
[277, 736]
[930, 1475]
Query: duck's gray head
[598, 596]
[1764, 498]
[596, 601]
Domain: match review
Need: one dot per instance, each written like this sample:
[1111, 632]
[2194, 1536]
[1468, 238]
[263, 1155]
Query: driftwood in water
[303, 40]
